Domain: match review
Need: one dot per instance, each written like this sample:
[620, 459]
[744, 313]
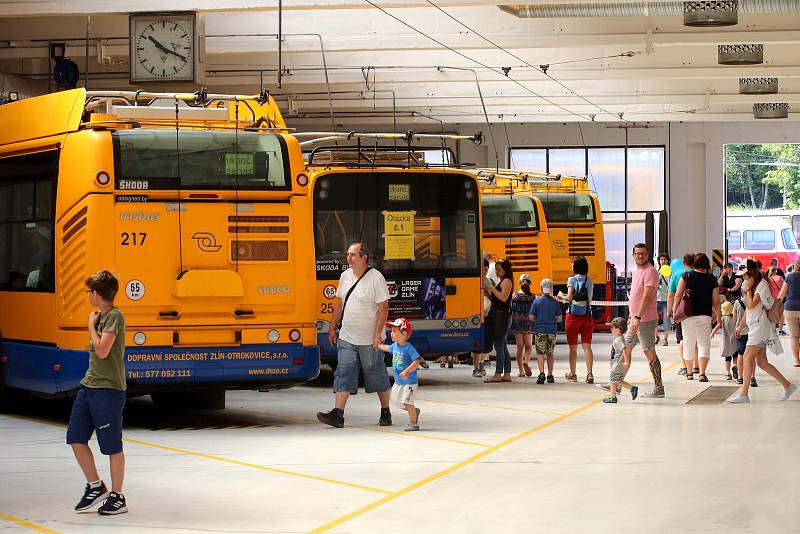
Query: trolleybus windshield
[200, 159]
[567, 207]
[417, 224]
[504, 213]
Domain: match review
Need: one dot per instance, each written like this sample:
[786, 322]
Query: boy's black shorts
[97, 410]
[741, 344]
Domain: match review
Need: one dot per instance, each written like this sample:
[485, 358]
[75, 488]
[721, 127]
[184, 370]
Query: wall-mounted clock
[164, 47]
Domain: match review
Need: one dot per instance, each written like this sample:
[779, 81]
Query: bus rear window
[567, 207]
[502, 213]
[759, 239]
[220, 160]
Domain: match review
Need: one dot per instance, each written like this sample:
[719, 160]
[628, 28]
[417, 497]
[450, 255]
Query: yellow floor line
[491, 406]
[422, 436]
[27, 524]
[255, 466]
[397, 494]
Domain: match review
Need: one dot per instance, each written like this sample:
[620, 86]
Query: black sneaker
[550, 379]
[540, 379]
[753, 383]
[333, 418]
[91, 497]
[386, 417]
[735, 371]
[115, 504]
[740, 380]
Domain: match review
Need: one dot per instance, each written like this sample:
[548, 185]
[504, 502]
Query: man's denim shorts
[364, 357]
[97, 410]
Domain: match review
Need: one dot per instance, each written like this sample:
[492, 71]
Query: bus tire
[210, 399]
[7, 395]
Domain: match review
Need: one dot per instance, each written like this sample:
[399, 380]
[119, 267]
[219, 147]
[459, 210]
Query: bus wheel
[210, 399]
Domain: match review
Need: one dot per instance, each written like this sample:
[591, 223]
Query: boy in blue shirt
[545, 312]
[405, 360]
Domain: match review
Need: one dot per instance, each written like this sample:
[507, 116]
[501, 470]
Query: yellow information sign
[398, 231]
[398, 247]
[398, 222]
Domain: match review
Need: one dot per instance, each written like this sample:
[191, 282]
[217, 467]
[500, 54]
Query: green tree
[747, 168]
[785, 174]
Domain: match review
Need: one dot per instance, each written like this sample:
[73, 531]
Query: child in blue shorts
[101, 398]
[405, 360]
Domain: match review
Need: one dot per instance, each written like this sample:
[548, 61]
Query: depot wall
[695, 169]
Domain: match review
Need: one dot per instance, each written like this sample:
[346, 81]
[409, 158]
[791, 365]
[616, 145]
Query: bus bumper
[50, 370]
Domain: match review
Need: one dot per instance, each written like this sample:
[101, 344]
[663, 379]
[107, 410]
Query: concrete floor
[490, 458]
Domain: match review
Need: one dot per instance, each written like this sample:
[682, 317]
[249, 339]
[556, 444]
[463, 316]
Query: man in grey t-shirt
[363, 317]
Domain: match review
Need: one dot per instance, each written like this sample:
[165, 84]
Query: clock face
[162, 48]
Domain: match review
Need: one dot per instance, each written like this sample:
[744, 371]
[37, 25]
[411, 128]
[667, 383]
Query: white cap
[547, 286]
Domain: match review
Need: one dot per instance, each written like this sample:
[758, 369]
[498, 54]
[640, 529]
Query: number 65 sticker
[134, 289]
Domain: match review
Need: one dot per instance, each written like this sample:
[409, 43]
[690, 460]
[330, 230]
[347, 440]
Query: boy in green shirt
[101, 399]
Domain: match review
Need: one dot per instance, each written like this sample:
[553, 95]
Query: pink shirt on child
[644, 276]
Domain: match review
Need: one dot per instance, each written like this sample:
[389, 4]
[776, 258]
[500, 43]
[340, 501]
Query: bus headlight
[102, 178]
[476, 320]
[139, 338]
[294, 335]
[273, 336]
[448, 323]
[320, 326]
[302, 180]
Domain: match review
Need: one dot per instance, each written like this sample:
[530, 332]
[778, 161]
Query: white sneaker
[788, 392]
[738, 399]
[655, 393]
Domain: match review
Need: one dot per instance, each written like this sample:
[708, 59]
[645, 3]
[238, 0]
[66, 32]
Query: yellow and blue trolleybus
[198, 203]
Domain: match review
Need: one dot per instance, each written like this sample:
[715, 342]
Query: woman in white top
[758, 299]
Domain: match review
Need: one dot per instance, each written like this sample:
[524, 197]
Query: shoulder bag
[684, 308]
[350, 292]
[774, 313]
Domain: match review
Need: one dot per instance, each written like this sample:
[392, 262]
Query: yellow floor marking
[27, 524]
[456, 467]
[492, 406]
[255, 466]
[422, 436]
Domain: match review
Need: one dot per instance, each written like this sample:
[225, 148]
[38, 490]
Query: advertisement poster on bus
[422, 298]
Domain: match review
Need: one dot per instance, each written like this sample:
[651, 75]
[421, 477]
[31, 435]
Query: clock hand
[164, 48]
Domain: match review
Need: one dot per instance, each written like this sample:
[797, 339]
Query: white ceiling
[376, 63]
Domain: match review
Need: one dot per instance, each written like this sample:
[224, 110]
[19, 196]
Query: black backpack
[582, 294]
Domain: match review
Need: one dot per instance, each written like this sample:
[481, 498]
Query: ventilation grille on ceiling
[711, 13]
[771, 110]
[652, 8]
[758, 86]
[740, 54]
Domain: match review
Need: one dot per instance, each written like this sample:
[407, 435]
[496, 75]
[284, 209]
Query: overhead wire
[543, 71]
[477, 62]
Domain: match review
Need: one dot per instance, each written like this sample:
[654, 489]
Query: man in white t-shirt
[362, 307]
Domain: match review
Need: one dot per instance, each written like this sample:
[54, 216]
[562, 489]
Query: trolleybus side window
[503, 213]
[147, 159]
[734, 240]
[789, 242]
[759, 239]
[27, 191]
[439, 237]
[568, 207]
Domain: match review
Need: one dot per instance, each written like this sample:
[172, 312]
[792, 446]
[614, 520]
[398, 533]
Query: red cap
[402, 324]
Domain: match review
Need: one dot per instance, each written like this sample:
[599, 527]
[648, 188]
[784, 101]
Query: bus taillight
[4, 359]
[56, 367]
[294, 335]
[298, 361]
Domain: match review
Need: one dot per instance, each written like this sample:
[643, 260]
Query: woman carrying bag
[498, 320]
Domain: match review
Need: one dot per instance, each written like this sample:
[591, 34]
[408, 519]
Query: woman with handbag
[703, 291]
[498, 320]
[758, 300]
[776, 283]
